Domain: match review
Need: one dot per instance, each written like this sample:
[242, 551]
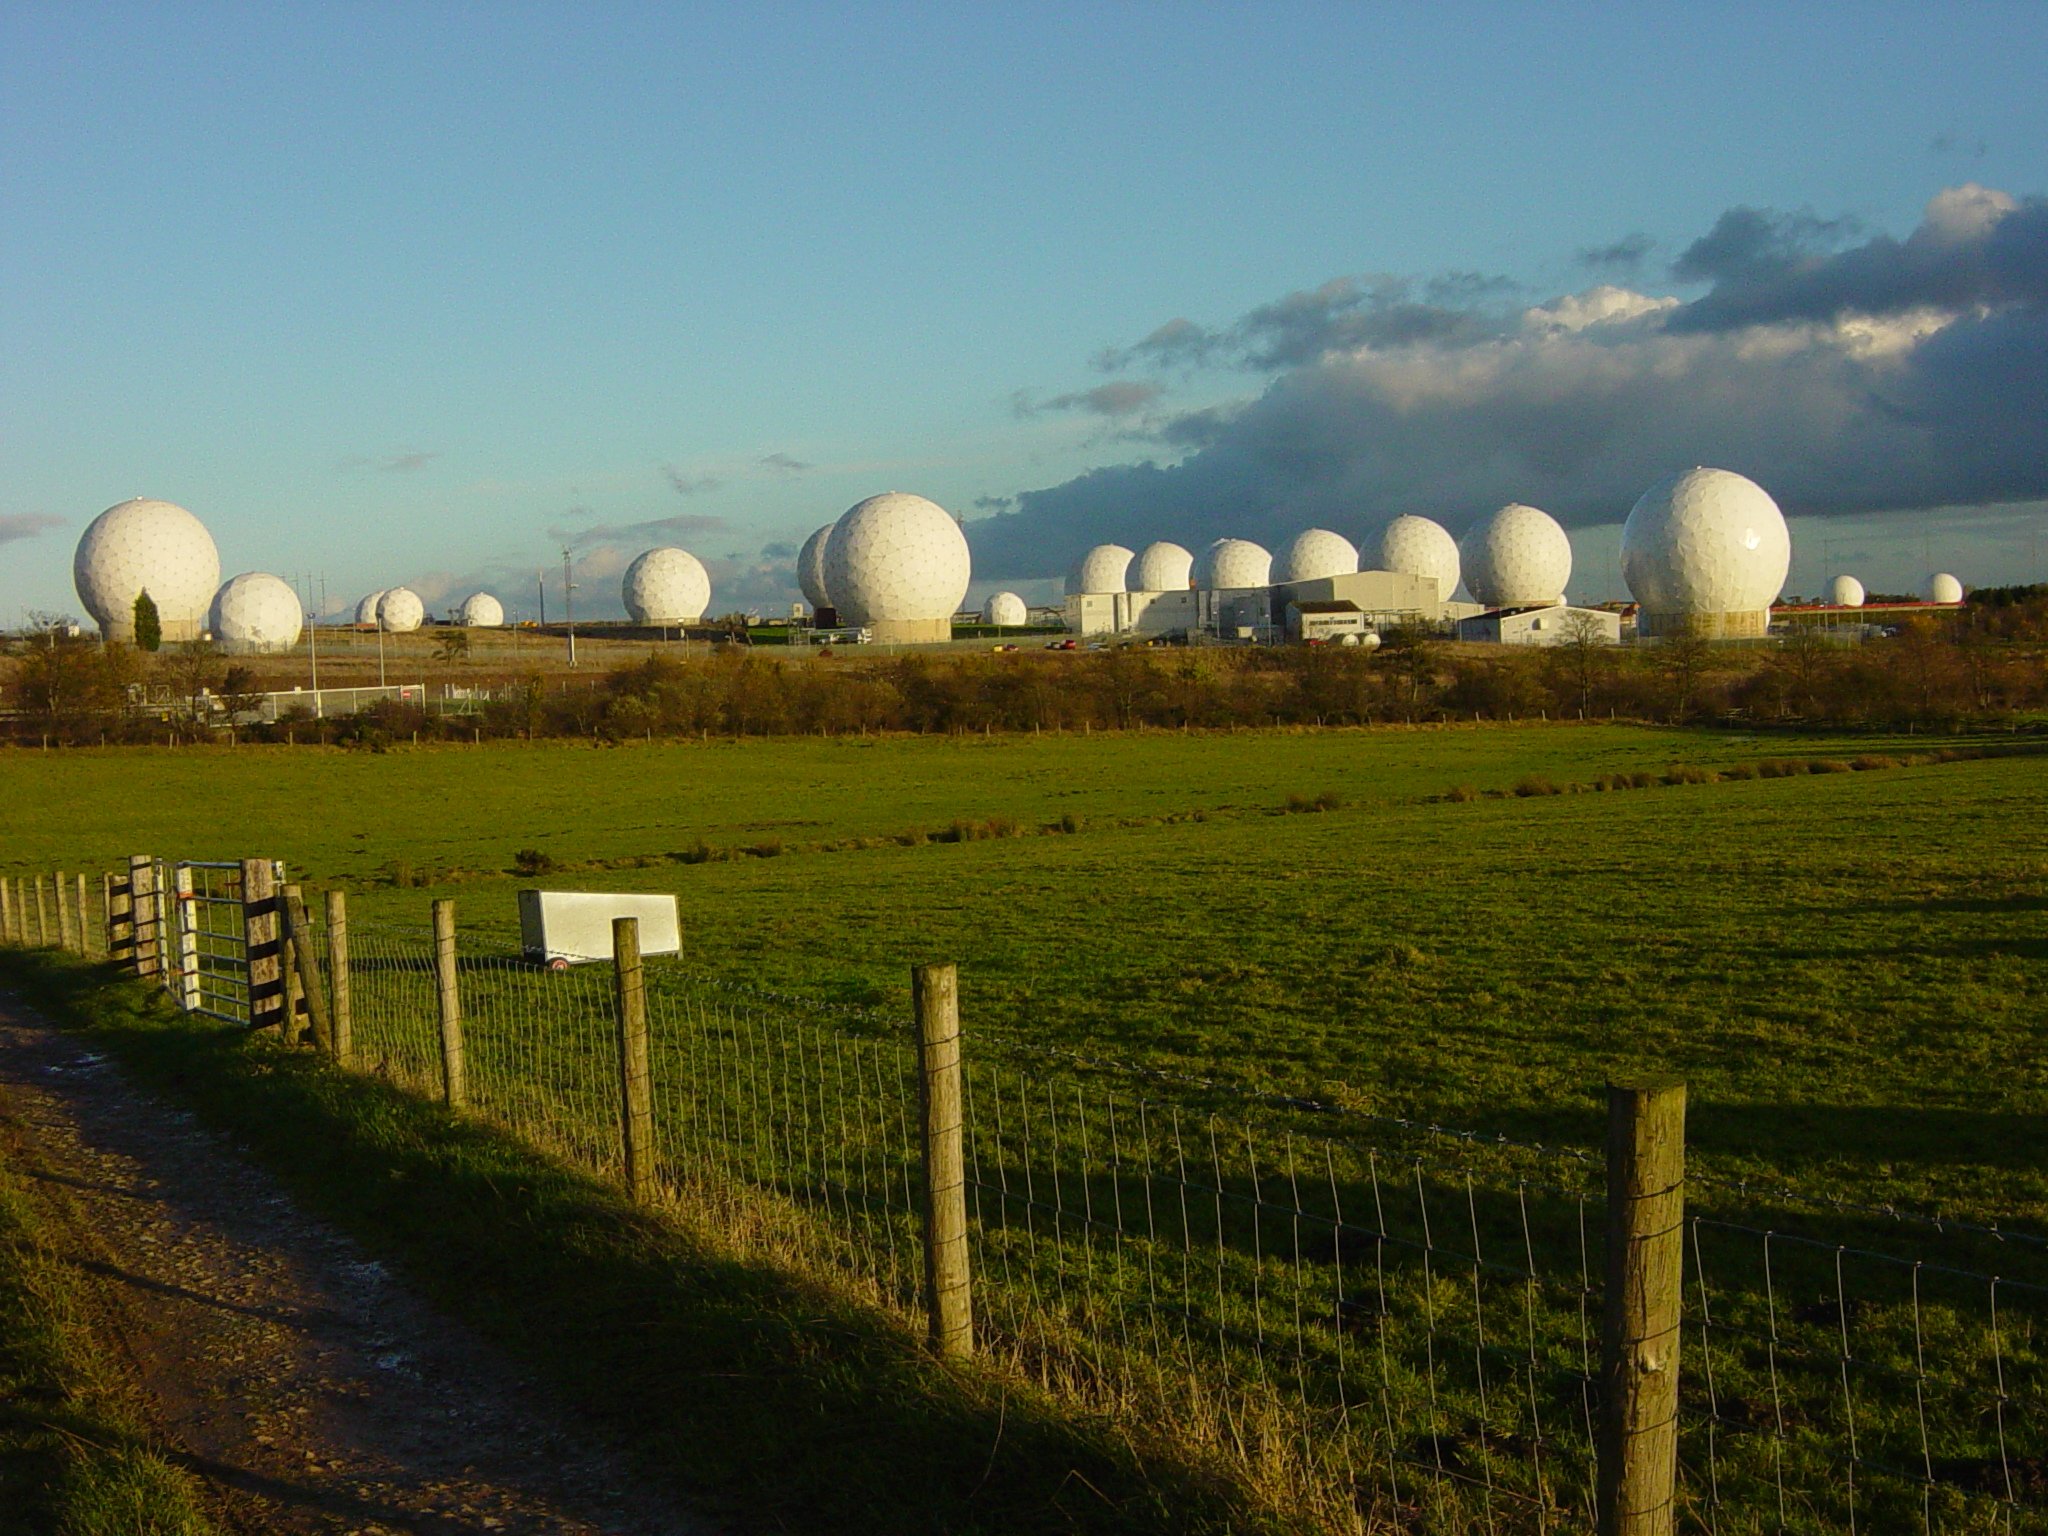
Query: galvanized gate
[206, 967]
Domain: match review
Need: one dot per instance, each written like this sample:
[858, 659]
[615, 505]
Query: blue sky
[419, 293]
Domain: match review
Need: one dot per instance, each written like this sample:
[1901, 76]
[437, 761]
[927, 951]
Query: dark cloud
[641, 534]
[1179, 343]
[403, 462]
[26, 525]
[1117, 399]
[1957, 144]
[784, 463]
[1624, 255]
[1847, 374]
[779, 550]
[684, 485]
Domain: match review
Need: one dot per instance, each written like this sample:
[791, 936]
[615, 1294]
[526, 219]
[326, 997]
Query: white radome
[400, 611]
[1315, 554]
[1943, 588]
[366, 610]
[256, 612]
[1846, 592]
[1708, 549]
[480, 610]
[1233, 563]
[666, 586]
[1162, 567]
[899, 565]
[810, 569]
[1415, 546]
[1517, 558]
[1102, 569]
[1006, 609]
[147, 545]
[1370, 639]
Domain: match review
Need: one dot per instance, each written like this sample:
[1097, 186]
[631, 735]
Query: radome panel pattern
[1846, 592]
[1314, 554]
[1517, 558]
[1415, 546]
[666, 586]
[1942, 588]
[1162, 567]
[810, 569]
[1005, 608]
[1705, 543]
[897, 557]
[400, 611]
[1236, 563]
[366, 610]
[1102, 569]
[156, 545]
[480, 610]
[255, 612]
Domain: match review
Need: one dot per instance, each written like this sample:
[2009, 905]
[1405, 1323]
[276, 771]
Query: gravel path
[277, 1360]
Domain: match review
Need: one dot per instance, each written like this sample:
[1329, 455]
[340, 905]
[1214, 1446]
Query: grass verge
[753, 1391]
[73, 1461]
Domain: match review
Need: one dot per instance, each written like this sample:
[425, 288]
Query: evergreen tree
[149, 628]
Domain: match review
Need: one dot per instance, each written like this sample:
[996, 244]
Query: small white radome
[400, 611]
[810, 569]
[1162, 567]
[1846, 592]
[1314, 554]
[1006, 609]
[1102, 569]
[1415, 546]
[666, 586]
[366, 610]
[1518, 558]
[256, 612]
[1236, 563]
[1943, 588]
[480, 610]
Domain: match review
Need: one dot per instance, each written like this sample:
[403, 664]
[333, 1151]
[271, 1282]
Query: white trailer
[563, 928]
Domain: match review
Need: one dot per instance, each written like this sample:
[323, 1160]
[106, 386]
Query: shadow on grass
[751, 1391]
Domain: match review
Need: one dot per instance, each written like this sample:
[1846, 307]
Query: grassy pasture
[1846, 966]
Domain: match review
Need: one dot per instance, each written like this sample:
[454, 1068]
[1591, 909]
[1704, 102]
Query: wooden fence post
[86, 926]
[142, 941]
[308, 971]
[62, 884]
[263, 946]
[1639, 1337]
[454, 1070]
[7, 909]
[190, 990]
[341, 1020]
[120, 922]
[949, 1303]
[42, 912]
[636, 1099]
[107, 912]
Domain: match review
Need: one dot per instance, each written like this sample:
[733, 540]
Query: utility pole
[540, 585]
[569, 604]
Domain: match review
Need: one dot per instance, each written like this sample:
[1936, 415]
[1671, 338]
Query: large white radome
[366, 610]
[256, 612]
[899, 564]
[810, 569]
[1517, 558]
[666, 586]
[147, 545]
[1230, 563]
[1709, 549]
[1006, 609]
[1943, 588]
[1102, 569]
[1162, 567]
[1415, 546]
[400, 611]
[1846, 592]
[480, 610]
[1315, 554]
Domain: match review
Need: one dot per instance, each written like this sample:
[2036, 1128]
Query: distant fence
[1379, 1325]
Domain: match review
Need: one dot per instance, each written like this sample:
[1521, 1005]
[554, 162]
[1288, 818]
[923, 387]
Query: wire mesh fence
[1383, 1325]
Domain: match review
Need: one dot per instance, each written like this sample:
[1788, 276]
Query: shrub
[1827, 765]
[1686, 773]
[1460, 793]
[1740, 771]
[531, 861]
[1533, 784]
[1873, 760]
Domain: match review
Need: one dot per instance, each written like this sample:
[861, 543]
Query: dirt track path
[302, 1381]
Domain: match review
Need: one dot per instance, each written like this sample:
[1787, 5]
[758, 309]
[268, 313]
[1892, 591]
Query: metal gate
[207, 967]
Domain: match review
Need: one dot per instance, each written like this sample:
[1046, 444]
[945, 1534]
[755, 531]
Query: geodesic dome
[1161, 567]
[1236, 563]
[141, 545]
[1006, 609]
[256, 612]
[1707, 548]
[480, 610]
[897, 559]
[666, 586]
[1846, 592]
[400, 611]
[1102, 569]
[1943, 588]
[1314, 554]
[366, 610]
[810, 569]
[1517, 558]
[1416, 546]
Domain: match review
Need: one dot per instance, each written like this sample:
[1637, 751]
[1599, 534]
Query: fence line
[1381, 1324]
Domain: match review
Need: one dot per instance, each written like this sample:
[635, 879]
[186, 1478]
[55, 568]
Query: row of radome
[1706, 547]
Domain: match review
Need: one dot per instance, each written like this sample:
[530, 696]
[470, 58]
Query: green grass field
[1845, 966]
